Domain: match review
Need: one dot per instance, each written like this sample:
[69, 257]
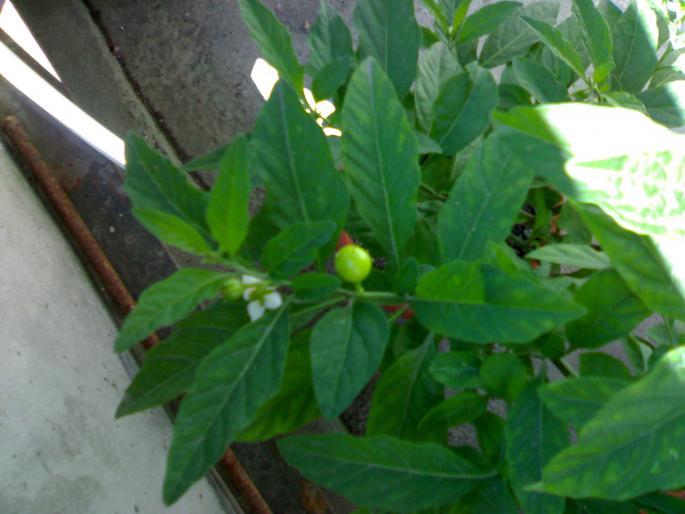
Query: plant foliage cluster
[515, 179]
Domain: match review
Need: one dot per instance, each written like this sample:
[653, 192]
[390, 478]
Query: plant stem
[382, 297]
[433, 193]
[396, 315]
[316, 307]
[565, 369]
[671, 334]
[240, 268]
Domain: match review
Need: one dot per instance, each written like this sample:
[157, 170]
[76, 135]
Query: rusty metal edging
[105, 273]
[31, 160]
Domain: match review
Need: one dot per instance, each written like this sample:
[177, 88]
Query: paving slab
[61, 451]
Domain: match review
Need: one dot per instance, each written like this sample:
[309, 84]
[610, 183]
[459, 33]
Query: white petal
[272, 300]
[249, 280]
[247, 293]
[255, 310]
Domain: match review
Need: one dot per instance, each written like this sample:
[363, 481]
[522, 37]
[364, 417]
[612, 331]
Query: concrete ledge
[62, 451]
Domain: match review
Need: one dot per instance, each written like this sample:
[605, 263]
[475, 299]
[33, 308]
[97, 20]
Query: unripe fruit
[353, 263]
[232, 289]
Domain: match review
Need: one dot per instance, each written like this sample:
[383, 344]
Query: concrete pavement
[61, 451]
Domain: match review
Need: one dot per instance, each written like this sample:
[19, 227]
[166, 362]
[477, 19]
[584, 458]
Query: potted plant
[457, 234]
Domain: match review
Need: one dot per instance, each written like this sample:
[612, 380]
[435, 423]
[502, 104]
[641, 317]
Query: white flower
[247, 292]
[260, 297]
[272, 300]
[255, 310]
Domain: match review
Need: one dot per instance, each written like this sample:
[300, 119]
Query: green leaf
[381, 165]
[436, 66]
[439, 14]
[456, 370]
[663, 20]
[293, 158]
[484, 203]
[468, 52]
[598, 364]
[273, 40]
[404, 394]
[206, 162]
[624, 99]
[168, 369]
[577, 400]
[533, 437]
[426, 144]
[609, 11]
[493, 496]
[635, 176]
[656, 356]
[572, 227]
[633, 445]
[597, 38]
[486, 19]
[230, 385]
[502, 256]
[573, 34]
[389, 33]
[635, 352]
[572, 255]
[261, 230]
[329, 38]
[638, 261]
[671, 252]
[296, 247]
[481, 304]
[294, 405]
[332, 76]
[172, 230]
[556, 42]
[671, 67]
[153, 183]
[511, 95]
[636, 37]
[347, 347]
[539, 81]
[666, 103]
[462, 110]
[503, 375]
[311, 287]
[613, 311]
[461, 9]
[228, 213]
[457, 410]
[167, 302]
[513, 38]
[406, 277]
[423, 244]
[671, 333]
[490, 431]
[382, 472]
[603, 506]
[663, 503]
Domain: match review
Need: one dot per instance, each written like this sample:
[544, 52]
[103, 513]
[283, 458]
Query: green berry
[353, 263]
[232, 289]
